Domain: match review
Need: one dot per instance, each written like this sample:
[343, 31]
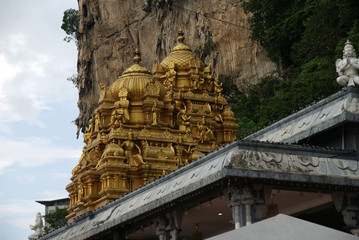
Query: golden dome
[182, 55]
[134, 79]
[227, 113]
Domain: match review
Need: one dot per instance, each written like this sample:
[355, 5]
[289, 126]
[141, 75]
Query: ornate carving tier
[148, 125]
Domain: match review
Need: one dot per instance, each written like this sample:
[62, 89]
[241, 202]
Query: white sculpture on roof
[347, 68]
[37, 228]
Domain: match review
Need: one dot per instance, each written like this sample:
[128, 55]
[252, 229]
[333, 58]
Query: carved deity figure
[94, 155]
[116, 117]
[90, 129]
[201, 129]
[171, 153]
[129, 147]
[196, 79]
[97, 121]
[182, 117]
[80, 192]
[83, 159]
[155, 113]
[37, 228]
[217, 87]
[179, 150]
[218, 118]
[145, 148]
[198, 83]
[170, 77]
[347, 68]
[124, 103]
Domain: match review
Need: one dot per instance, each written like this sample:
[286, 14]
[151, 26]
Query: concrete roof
[334, 110]
[283, 227]
[61, 201]
[245, 159]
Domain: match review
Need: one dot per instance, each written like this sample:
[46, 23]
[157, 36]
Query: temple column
[348, 205]
[169, 226]
[246, 204]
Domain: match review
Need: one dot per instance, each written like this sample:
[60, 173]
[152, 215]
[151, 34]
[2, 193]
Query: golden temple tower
[147, 125]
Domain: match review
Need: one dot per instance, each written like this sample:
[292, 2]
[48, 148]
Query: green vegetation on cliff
[70, 24]
[304, 38]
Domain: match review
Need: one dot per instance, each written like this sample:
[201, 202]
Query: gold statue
[80, 194]
[155, 112]
[217, 86]
[134, 159]
[97, 121]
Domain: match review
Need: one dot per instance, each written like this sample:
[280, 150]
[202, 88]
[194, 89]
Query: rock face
[110, 31]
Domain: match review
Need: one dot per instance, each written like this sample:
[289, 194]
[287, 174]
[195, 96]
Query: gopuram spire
[147, 125]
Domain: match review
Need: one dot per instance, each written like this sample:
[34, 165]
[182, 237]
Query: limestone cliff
[110, 30]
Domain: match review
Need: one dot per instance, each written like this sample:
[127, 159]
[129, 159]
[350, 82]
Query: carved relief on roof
[351, 105]
[113, 149]
[121, 132]
[144, 133]
[299, 164]
[152, 89]
[167, 134]
[311, 119]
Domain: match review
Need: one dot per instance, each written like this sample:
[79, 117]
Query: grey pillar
[348, 205]
[246, 203]
[161, 228]
[169, 226]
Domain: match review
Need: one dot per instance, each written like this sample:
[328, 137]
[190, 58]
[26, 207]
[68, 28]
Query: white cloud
[61, 175]
[32, 78]
[20, 207]
[25, 178]
[20, 99]
[34, 65]
[16, 42]
[37, 66]
[20, 213]
[51, 195]
[22, 222]
[8, 71]
[33, 152]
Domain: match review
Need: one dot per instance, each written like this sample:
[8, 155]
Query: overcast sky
[38, 145]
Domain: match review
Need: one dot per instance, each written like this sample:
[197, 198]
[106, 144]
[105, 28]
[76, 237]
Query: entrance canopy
[283, 227]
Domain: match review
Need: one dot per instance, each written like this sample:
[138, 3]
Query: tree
[70, 23]
[304, 38]
[56, 219]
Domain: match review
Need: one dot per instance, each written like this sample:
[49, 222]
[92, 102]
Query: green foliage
[70, 23]
[304, 38]
[230, 89]
[277, 97]
[56, 219]
[73, 79]
[276, 25]
[295, 31]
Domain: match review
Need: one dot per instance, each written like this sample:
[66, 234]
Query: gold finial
[180, 37]
[137, 57]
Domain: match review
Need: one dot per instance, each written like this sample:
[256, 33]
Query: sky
[38, 145]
